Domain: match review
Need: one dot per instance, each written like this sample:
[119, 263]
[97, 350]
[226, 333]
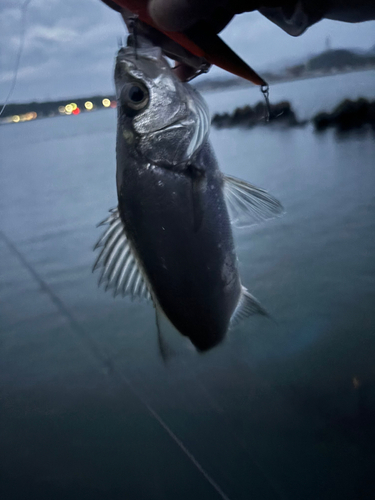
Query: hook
[265, 89]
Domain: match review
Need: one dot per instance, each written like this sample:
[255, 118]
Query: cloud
[56, 34]
[67, 44]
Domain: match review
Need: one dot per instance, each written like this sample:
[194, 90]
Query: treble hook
[265, 89]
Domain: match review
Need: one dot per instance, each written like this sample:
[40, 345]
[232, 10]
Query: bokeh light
[31, 115]
[68, 109]
[89, 105]
[106, 103]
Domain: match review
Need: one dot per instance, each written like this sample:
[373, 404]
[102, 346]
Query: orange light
[76, 111]
[356, 382]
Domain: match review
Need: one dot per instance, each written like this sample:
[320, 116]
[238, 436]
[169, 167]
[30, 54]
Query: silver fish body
[173, 217]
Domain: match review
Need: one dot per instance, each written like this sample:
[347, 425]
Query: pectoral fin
[248, 204]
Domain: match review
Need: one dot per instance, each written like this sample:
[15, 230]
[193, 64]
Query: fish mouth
[145, 51]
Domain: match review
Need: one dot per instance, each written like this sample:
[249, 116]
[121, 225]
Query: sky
[70, 46]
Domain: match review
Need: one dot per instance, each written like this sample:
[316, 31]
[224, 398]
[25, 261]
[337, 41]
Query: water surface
[283, 409]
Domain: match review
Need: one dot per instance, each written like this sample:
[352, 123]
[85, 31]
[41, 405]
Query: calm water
[281, 410]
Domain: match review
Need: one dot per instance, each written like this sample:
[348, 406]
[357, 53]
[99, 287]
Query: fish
[170, 239]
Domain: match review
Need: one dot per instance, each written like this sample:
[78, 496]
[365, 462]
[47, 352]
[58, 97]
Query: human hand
[293, 16]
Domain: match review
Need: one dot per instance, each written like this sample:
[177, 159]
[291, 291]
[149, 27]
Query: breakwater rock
[248, 116]
[348, 115]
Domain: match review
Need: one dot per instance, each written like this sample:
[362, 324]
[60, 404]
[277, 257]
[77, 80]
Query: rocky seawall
[348, 115]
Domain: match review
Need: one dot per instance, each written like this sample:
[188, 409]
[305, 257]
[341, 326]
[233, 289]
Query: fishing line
[85, 339]
[277, 489]
[216, 405]
[19, 54]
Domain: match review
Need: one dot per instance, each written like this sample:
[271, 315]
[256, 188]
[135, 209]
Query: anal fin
[171, 343]
[164, 349]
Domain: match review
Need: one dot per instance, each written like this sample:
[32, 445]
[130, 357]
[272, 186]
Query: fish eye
[134, 96]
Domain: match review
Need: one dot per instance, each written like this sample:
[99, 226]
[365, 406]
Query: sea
[284, 408]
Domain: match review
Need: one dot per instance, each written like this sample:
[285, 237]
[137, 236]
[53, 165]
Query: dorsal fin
[120, 269]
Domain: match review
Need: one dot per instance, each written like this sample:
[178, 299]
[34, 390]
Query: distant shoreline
[20, 112]
[312, 76]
